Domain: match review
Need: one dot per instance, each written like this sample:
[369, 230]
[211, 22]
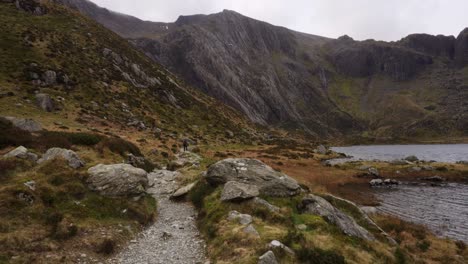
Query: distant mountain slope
[94, 77]
[413, 87]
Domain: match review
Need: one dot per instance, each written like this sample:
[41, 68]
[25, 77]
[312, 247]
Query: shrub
[460, 245]
[319, 256]
[400, 256]
[119, 146]
[106, 247]
[199, 192]
[12, 136]
[424, 245]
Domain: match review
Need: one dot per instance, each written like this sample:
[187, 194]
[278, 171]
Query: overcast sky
[360, 19]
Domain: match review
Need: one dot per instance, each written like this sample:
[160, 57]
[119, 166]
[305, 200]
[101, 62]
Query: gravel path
[174, 237]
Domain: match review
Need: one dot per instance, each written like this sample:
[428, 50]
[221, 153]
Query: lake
[450, 153]
[444, 210]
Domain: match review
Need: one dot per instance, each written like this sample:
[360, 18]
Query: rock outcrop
[461, 49]
[255, 173]
[45, 102]
[70, 156]
[268, 258]
[117, 180]
[316, 205]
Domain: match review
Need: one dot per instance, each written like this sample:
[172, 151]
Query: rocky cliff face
[324, 86]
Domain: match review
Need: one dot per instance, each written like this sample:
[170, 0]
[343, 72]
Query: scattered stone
[268, 258]
[31, 185]
[412, 158]
[250, 229]
[433, 179]
[427, 168]
[415, 169]
[369, 209]
[117, 180]
[243, 219]
[229, 134]
[49, 77]
[25, 124]
[301, 227]
[316, 205]
[30, 6]
[321, 150]
[253, 172]
[374, 172]
[236, 191]
[376, 182]
[400, 162]
[275, 244]
[45, 102]
[26, 197]
[269, 206]
[73, 159]
[183, 191]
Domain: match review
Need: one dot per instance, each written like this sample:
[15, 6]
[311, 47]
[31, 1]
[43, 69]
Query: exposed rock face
[294, 80]
[461, 49]
[429, 44]
[261, 202]
[31, 6]
[117, 180]
[25, 124]
[255, 173]
[73, 159]
[363, 59]
[45, 102]
[313, 204]
[236, 191]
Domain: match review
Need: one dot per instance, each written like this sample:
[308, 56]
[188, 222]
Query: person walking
[186, 144]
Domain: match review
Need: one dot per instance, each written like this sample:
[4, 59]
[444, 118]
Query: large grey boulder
[183, 190]
[316, 205]
[49, 77]
[45, 102]
[253, 172]
[117, 180]
[25, 124]
[236, 191]
[73, 159]
[268, 258]
[21, 153]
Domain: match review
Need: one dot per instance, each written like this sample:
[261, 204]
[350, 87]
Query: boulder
[243, 219]
[321, 150]
[49, 77]
[45, 102]
[253, 172]
[250, 229]
[21, 153]
[25, 124]
[268, 258]
[73, 159]
[374, 172]
[164, 182]
[316, 205]
[412, 158]
[31, 6]
[236, 191]
[376, 182]
[117, 180]
[415, 169]
[183, 191]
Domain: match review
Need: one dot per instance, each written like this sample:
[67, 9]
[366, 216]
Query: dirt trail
[174, 237]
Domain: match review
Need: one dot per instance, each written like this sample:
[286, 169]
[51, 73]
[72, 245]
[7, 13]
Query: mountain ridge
[295, 80]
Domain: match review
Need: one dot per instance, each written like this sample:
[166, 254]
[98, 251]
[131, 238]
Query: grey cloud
[361, 19]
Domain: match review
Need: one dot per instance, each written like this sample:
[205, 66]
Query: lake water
[444, 209]
[450, 153]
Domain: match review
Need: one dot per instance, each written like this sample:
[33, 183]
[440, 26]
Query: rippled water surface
[443, 209]
[442, 153]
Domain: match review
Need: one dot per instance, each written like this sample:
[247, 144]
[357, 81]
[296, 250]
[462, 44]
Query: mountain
[415, 87]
